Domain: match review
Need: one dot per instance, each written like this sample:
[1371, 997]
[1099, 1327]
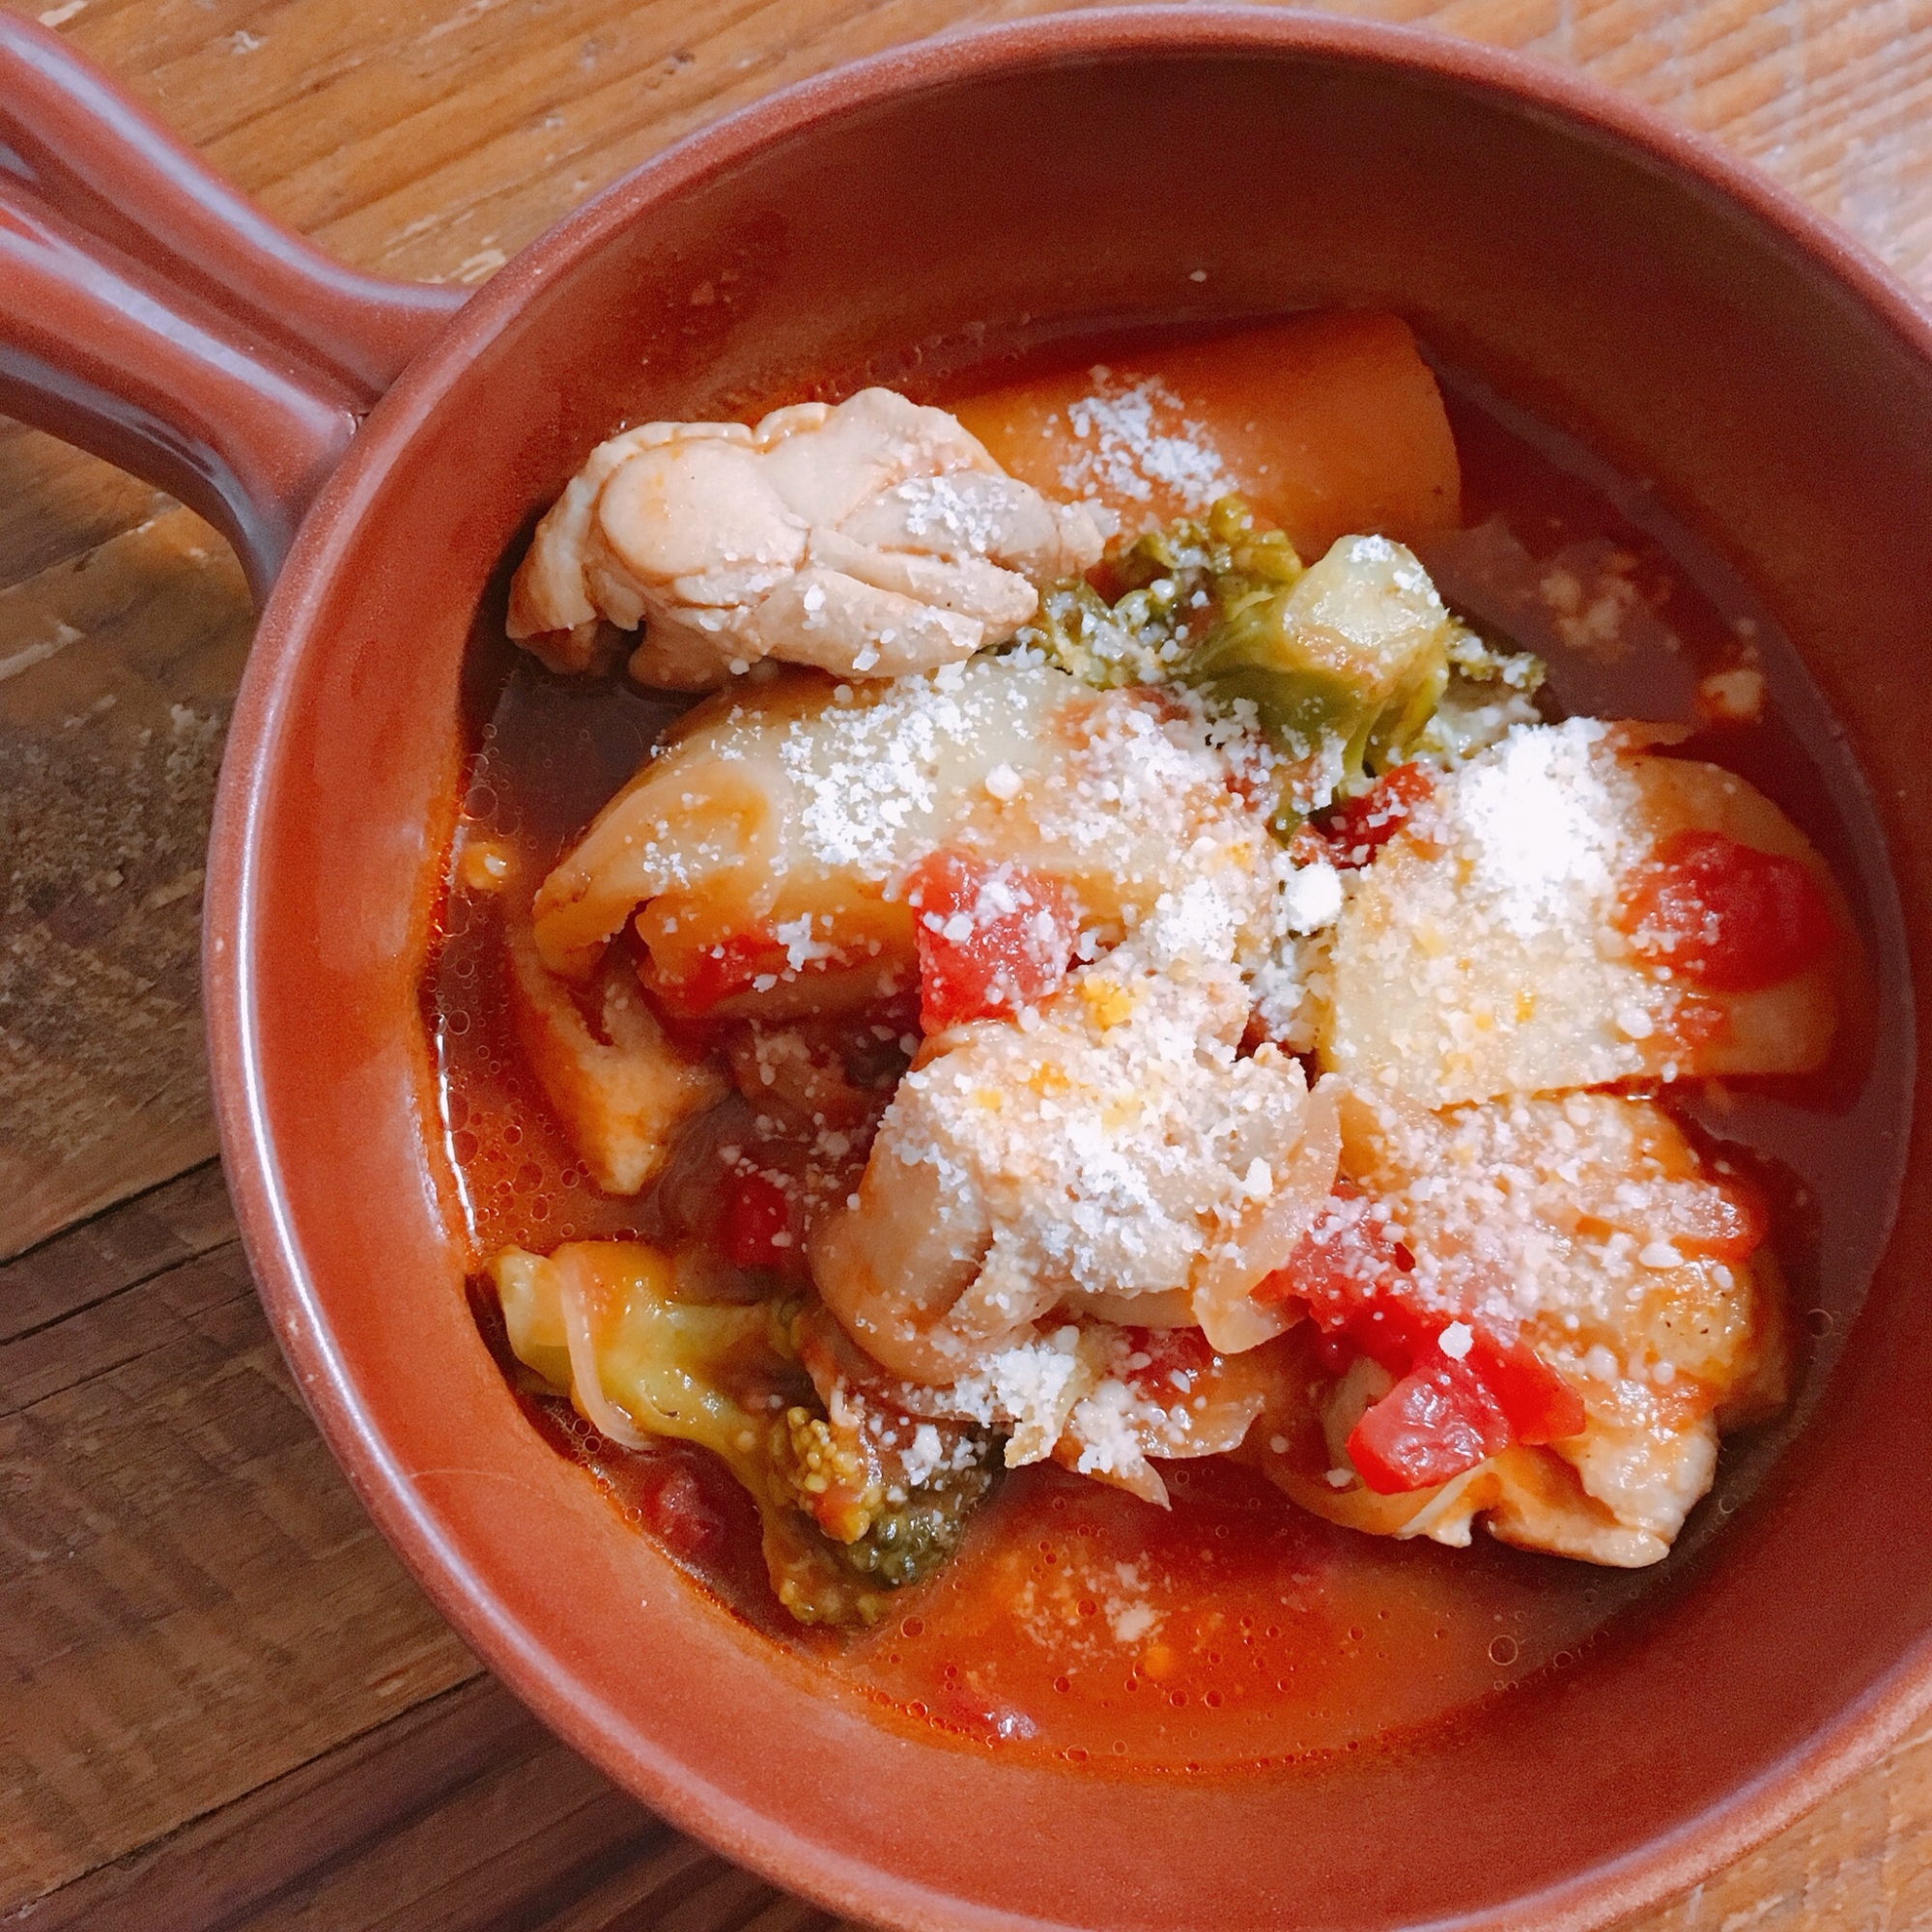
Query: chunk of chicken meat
[621, 1087]
[780, 824]
[1566, 912]
[1117, 1147]
[867, 539]
[1589, 1227]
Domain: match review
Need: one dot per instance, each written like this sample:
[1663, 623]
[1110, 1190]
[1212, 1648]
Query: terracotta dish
[377, 453]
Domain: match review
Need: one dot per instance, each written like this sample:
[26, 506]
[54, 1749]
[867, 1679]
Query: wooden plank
[191, 1602]
[131, 1245]
[238, 1859]
[461, 1815]
[299, 1843]
[55, 503]
[178, 1306]
[537, 1836]
[121, 667]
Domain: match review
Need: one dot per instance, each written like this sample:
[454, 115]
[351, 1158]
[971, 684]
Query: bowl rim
[1645, 1876]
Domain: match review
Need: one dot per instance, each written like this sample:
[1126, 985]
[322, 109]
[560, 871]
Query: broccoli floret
[892, 1497]
[1131, 642]
[1489, 691]
[853, 1505]
[1340, 665]
[907, 1540]
[1227, 552]
[1173, 579]
[827, 1472]
[1343, 668]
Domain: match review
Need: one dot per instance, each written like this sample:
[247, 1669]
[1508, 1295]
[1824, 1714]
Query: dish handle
[153, 316]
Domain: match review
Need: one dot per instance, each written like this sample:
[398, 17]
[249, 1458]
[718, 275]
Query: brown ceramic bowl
[1696, 325]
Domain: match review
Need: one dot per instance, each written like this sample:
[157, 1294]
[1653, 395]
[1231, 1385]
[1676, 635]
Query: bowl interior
[1074, 174]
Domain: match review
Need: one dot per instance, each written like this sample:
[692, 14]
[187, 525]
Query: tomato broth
[1077, 1623]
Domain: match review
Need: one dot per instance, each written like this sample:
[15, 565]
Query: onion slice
[1230, 1319]
[585, 1384]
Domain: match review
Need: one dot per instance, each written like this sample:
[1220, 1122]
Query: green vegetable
[1173, 580]
[854, 1485]
[1489, 691]
[844, 1520]
[1341, 666]
[1342, 669]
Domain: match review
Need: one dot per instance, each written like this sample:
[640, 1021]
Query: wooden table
[224, 1703]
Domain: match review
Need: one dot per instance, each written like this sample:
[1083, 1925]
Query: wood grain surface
[224, 1704]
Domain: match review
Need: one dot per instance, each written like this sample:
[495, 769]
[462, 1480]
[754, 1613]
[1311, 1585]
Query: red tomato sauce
[1077, 1623]
[1232, 1629]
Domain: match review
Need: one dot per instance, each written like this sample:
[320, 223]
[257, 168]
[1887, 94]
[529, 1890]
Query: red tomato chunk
[1447, 1413]
[758, 1223]
[1538, 1404]
[1355, 831]
[727, 968]
[1727, 915]
[1347, 1262]
[991, 938]
[1435, 1423]
[672, 1503]
[1170, 1360]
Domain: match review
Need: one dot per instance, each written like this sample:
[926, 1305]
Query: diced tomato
[1170, 1352]
[673, 1504]
[991, 937]
[1727, 915]
[758, 1223]
[717, 972]
[1540, 1406]
[1334, 1352]
[1446, 1413]
[1437, 1422]
[1343, 1262]
[1355, 831]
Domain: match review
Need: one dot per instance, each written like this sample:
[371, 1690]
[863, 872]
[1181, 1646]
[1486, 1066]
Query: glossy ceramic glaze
[1161, 164]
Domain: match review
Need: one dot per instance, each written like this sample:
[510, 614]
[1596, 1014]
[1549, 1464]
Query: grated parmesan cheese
[1544, 824]
[1134, 438]
[1105, 1148]
[1575, 1222]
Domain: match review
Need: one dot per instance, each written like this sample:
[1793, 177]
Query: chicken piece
[1588, 1229]
[620, 1089]
[1564, 911]
[1115, 1146]
[869, 539]
[1527, 1496]
[1589, 1218]
[768, 842]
